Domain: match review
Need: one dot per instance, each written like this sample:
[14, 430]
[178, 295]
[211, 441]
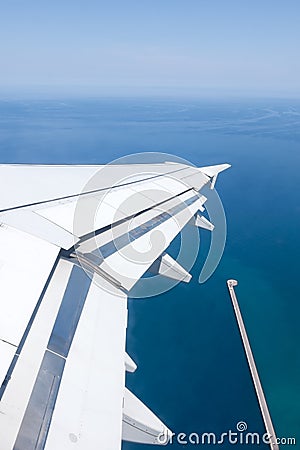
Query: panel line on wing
[9, 343]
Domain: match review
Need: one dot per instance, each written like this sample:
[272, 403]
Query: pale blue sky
[166, 45]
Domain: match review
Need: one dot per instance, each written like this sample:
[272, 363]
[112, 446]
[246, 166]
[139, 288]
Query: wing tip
[212, 171]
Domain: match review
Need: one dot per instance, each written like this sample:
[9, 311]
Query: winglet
[213, 172]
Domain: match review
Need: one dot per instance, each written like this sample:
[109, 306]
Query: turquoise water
[191, 365]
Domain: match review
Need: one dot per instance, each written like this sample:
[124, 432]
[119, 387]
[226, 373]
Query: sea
[192, 370]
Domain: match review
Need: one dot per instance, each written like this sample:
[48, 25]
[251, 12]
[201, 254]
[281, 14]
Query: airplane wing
[74, 241]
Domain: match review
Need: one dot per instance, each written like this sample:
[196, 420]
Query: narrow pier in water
[252, 366]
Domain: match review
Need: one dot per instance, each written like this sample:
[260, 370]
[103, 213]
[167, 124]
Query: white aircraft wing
[74, 240]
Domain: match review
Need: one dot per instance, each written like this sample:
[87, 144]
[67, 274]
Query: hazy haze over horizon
[157, 48]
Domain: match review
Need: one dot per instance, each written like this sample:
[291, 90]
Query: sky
[151, 46]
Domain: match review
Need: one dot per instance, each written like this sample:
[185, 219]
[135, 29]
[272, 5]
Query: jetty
[252, 366]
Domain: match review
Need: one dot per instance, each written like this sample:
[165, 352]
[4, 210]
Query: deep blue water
[191, 366]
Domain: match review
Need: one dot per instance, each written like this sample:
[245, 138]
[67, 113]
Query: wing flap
[95, 211]
[88, 409]
[129, 257]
